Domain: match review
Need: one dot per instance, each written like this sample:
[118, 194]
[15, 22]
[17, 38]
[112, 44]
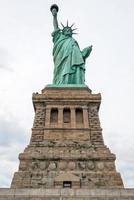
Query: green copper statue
[69, 60]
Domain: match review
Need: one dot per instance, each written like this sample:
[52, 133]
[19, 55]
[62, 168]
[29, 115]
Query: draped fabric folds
[69, 64]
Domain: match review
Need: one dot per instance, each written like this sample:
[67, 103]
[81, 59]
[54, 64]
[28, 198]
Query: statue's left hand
[86, 52]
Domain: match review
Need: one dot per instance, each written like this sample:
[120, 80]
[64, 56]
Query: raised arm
[54, 9]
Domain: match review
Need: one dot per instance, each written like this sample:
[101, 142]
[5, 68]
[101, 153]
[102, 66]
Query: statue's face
[67, 31]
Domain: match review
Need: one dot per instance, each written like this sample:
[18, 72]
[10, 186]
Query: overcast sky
[26, 66]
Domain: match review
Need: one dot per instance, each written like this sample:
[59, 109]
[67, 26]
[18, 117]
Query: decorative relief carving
[34, 165]
[110, 166]
[82, 165]
[52, 166]
[43, 165]
[71, 165]
[90, 165]
[100, 165]
[62, 165]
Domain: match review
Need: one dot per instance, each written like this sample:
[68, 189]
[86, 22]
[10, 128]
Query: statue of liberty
[69, 60]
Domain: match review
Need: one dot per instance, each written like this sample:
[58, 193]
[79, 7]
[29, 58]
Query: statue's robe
[69, 64]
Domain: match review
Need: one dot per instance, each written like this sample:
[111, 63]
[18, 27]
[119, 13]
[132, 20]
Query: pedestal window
[54, 116]
[79, 117]
[66, 117]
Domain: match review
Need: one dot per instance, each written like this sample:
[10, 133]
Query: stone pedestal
[66, 194]
[66, 147]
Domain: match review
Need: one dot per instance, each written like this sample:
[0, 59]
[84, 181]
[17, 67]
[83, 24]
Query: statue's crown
[68, 27]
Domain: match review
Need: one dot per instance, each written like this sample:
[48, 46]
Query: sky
[26, 66]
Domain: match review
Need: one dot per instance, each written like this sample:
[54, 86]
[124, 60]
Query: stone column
[48, 112]
[60, 117]
[85, 117]
[73, 118]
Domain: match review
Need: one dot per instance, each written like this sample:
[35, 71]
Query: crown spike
[74, 33]
[72, 25]
[67, 23]
[62, 25]
[74, 29]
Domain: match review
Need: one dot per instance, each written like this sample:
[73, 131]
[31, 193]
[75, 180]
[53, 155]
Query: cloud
[121, 144]
[5, 67]
[4, 60]
[13, 140]
[7, 168]
[127, 172]
[10, 132]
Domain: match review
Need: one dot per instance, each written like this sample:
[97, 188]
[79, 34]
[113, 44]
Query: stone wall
[67, 140]
[66, 194]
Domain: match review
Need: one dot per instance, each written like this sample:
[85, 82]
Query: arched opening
[66, 117]
[54, 116]
[79, 117]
